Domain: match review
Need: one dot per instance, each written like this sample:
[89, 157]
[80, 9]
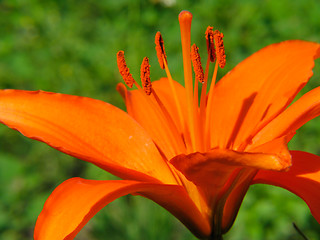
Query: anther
[221, 56]
[145, 76]
[124, 70]
[210, 44]
[196, 62]
[161, 53]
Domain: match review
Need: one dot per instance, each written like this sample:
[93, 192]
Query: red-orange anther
[196, 62]
[145, 76]
[161, 53]
[221, 56]
[210, 44]
[124, 70]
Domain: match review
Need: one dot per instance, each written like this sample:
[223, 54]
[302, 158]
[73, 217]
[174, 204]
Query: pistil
[185, 19]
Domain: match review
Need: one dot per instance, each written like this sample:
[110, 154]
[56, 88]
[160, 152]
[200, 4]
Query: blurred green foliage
[70, 47]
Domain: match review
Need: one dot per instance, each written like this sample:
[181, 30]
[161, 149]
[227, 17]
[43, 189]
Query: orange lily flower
[196, 156]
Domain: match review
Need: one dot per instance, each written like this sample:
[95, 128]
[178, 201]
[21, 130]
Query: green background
[70, 47]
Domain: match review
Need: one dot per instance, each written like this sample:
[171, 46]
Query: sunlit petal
[214, 167]
[88, 129]
[303, 110]
[76, 201]
[145, 110]
[165, 94]
[303, 179]
[258, 89]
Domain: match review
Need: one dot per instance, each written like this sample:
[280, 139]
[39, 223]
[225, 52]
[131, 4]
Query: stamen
[210, 44]
[221, 61]
[196, 61]
[221, 56]
[203, 98]
[161, 53]
[124, 70]
[162, 58]
[199, 77]
[147, 87]
[174, 135]
[173, 128]
[176, 100]
[145, 76]
[209, 116]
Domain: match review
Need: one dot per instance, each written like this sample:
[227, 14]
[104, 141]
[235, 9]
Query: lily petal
[235, 197]
[88, 129]
[303, 110]
[162, 88]
[220, 170]
[303, 179]
[277, 147]
[269, 80]
[144, 109]
[76, 201]
[214, 168]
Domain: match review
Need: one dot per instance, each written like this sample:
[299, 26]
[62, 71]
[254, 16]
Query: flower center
[193, 132]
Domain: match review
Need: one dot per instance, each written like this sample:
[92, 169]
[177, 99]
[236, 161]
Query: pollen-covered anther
[210, 44]
[145, 76]
[124, 70]
[161, 53]
[196, 62]
[221, 56]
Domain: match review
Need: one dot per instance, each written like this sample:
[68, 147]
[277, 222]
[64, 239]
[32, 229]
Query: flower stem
[215, 236]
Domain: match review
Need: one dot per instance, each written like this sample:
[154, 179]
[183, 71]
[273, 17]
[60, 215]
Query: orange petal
[303, 179]
[88, 129]
[162, 87]
[144, 109]
[258, 89]
[277, 147]
[227, 174]
[235, 198]
[213, 168]
[144, 112]
[76, 201]
[300, 112]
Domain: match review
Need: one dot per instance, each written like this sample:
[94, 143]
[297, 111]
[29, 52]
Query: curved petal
[88, 129]
[164, 128]
[303, 179]
[225, 175]
[214, 168]
[143, 109]
[303, 110]
[258, 89]
[76, 201]
[162, 88]
[234, 196]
